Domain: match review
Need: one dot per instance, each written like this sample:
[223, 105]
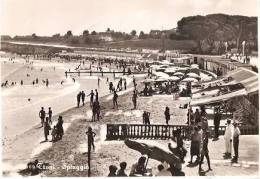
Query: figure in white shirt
[228, 139]
[236, 135]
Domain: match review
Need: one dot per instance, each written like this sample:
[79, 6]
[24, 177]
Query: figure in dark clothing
[50, 115]
[217, 118]
[59, 127]
[37, 81]
[125, 84]
[91, 136]
[42, 115]
[91, 94]
[98, 110]
[167, 115]
[47, 82]
[46, 129]
[96, 95]
[110, 87]
[121, 171]
[134, 98]
[205, 151]
[78, 99]
[115, 100]
[83, 97]
[21, 82]
[112, 171]
[146, 120]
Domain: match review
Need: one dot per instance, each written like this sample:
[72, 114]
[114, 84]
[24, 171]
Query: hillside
[212, 30]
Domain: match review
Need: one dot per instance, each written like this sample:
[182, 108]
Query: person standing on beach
[98, 82]
[205, 151]
[96, 95]
[50, 115]
[134, 98]
[115, 100]
[46, 129]
[125, 84]
[236, 135]
[91, 94]
[91, 136]
[228, 139]
[42, 115]
[98, 110]
[47, 82]
[110, 87]
[78, 98]
[94, 111]
[83, 98]
[59, 127]
[217, 119]
[167, 114]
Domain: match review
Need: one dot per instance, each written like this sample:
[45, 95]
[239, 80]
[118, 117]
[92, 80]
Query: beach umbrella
[155, 152]
[161, 74]
[170, 70]
[194, 75]
[195, 66]
[189, 80]
[178, 74]
[173, 78]
[161, 79]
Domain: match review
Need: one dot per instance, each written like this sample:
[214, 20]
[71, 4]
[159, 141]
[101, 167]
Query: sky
[48, 17]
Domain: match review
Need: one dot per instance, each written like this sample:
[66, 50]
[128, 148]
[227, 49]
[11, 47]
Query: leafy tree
[93, 33]
[69, 33]
[141, 35]
[85, 33]
[34, 36]
[133, 33]
[108, 29]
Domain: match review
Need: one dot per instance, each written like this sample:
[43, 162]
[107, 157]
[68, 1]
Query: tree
[85, 33]
[34, 36]
[141, 35]
[133, 33]
[68, 34]
[56, 36]
[93, 33]
[108, 29]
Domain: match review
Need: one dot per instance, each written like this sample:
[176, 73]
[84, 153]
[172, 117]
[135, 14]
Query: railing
[140, 131]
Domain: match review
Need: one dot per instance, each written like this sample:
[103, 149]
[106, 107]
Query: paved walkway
[248, 163]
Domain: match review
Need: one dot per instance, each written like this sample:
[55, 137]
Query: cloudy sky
[47, 17]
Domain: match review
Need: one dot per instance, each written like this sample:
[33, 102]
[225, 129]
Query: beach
[21, 103]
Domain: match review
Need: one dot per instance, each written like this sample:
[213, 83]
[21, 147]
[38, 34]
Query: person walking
[94, 111]
[83, 97]
[217, 119]
[205, 151]
[115, 100]
[195, 144]
[42, 115]
[228, 139]
[91, 135]
[91, 94]
[50, 115]
[78, 98]
[134, 98]
[167, 114]
[236, 135]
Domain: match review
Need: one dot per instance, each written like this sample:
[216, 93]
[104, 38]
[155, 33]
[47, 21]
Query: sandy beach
[20, 120]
